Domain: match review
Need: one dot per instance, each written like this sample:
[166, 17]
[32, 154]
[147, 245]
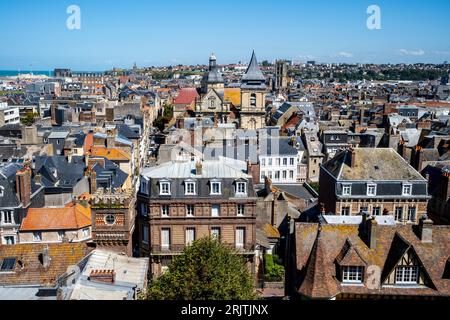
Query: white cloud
[343, 54]
[306, 57]
[418, 52]
[442, 53]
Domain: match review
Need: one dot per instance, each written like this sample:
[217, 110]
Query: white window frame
[2, 192]
[163, 185]
[165, 246]
[213, 210]
[239, 192]
[371, 186]
[215, 232]
[240, 237]
[190, 236]
[352, 274]
[190, 213]
[400, 210]
[10, 215]
[241, 210]
[348, 211]
[346, 187]
[263, 162]
[407, 275]
[213, 183]
[144, 186]
[409, 186]
[165, 213]
[191, 184]
[5, 241]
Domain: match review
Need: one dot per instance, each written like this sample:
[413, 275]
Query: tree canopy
[205, 271]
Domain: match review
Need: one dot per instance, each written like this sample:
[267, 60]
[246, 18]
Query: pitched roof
[29, 270]
[186, 96]
[253, 72]
[317, 258]
[72, 217]
[113, 154]
[371, 164]
[233, 95]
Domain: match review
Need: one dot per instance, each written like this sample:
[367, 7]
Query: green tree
[205, 271]
[28, 119]
[274, 270]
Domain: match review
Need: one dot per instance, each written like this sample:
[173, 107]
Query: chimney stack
[104, 276]
[23, 186]
[352, 158]
[369, 230]
[92, 175]
[199, 168]
[426, 229]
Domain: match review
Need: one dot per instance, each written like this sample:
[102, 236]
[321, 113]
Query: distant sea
[11, 73]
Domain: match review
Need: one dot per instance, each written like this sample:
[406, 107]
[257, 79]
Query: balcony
[158, 250]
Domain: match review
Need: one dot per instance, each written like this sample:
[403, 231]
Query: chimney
[352, 158]
[23, 186]
[369, 230]
[103, 276]
[93, 181]
[198, 168]
[426, 229]
[372, 233]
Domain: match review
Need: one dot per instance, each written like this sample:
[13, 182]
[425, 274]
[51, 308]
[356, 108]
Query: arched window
[253, 100]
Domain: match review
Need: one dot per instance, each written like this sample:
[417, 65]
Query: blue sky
[119, 33]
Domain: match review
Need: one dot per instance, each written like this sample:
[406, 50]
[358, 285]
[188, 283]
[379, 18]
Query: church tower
[253, 97]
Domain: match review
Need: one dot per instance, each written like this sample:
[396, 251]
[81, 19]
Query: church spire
[253, 72]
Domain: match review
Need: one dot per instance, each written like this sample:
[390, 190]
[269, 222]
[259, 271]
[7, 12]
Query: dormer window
[241, 189]
[407, 190]
[407, 275]
[190, 188]
[346, 190]
[2, 191]
[352, 274]
[164, 189]
[144, 186]
[371, 190]
[216, 188]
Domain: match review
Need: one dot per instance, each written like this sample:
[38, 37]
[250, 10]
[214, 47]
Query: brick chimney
[92, 175]
[426, 229]
[23, 186]
[104, 276]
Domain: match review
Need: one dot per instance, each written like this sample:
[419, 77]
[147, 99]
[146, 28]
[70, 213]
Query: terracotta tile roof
[88, 142]
[29, 269]
[72, 217]
[186, 96]
[112, 154]
[319, 253]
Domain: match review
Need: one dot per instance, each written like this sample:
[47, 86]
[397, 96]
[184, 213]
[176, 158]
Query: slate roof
[109, 175]
[277, 147]
[317, 253]
[67, 174]
[253, 72]
[377, 164]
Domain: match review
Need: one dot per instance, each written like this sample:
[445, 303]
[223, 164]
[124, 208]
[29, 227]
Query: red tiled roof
[186, 96]
[72, 217]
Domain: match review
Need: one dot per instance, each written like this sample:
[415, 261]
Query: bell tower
[253, 97]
